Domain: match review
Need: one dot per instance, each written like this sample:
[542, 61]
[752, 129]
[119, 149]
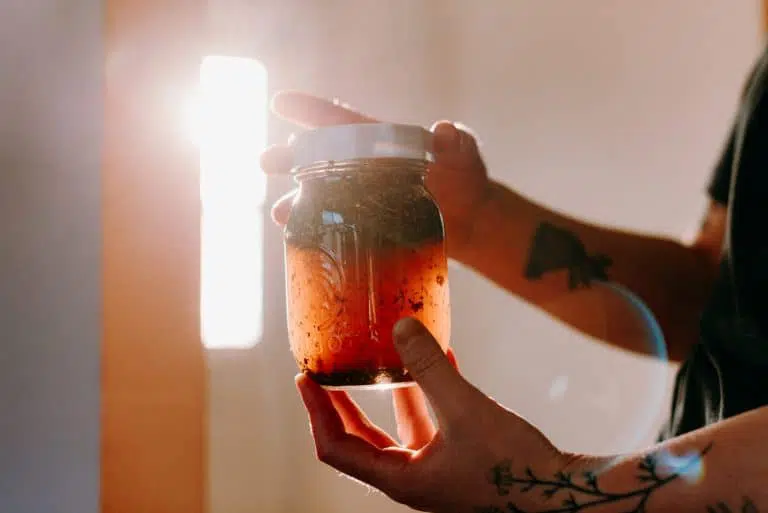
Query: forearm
[719, 469]
[672, 279]
[723, 467]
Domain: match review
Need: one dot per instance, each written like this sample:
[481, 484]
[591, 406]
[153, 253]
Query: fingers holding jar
[452, 147]
[457, 176]
[281, 210]
[307, 111]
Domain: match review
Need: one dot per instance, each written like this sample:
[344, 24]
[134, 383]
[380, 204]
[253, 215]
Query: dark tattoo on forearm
[747, 506]
[557, 249]
[568, 493]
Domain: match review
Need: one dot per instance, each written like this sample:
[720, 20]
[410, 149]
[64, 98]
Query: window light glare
[231, 123]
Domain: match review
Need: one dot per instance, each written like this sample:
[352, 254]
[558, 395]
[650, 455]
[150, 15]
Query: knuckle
[472, 413]
[322, 454]
[325, 453]
[425, 362]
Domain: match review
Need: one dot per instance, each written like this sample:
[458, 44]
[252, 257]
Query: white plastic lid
[361, 141]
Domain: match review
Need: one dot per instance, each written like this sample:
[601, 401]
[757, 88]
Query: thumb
[448, 392]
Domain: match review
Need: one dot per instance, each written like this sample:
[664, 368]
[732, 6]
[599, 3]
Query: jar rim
[349, 166]
[361, 141]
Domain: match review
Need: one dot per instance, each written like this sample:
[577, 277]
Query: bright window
[231, 130]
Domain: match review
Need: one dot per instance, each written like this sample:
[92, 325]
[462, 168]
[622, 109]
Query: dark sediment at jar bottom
[361, 377]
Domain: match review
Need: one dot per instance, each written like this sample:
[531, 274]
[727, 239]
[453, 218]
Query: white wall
[50, 255]
[608, 109]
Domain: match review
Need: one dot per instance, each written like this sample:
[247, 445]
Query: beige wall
[608, 109]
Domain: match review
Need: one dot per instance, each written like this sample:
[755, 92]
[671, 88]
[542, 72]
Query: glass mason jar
[364, 247]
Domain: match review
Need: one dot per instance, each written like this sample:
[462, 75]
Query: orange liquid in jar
[344, 298]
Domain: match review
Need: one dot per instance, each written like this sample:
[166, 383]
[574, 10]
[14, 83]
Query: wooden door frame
[154, 381]
[765, 16]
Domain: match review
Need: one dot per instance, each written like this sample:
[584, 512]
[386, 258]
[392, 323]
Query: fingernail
[407, 329]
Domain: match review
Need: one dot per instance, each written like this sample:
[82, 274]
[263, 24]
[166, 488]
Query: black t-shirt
[727, 371]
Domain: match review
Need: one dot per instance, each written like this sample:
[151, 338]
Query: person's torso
[727, 372]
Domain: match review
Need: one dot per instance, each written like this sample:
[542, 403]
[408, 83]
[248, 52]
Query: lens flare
[615, 400]
[654, 391]
[689, 466]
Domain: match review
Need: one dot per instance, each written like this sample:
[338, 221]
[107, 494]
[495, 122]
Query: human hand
[473, 462]
[458, 178]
